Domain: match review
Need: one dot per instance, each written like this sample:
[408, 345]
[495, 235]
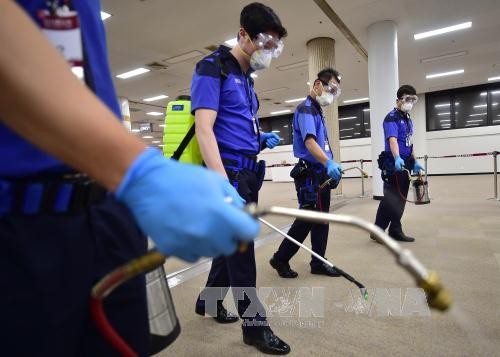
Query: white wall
[436, 143]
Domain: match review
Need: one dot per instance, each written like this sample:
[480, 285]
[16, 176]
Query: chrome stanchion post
[362, 179]
[495, 177]
[495, 174]
[425, 165]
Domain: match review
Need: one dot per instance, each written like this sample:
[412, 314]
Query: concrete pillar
[125, 109]
[321, 54]
[383, 76]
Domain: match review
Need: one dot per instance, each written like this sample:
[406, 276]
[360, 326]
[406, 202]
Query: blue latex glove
[231, 192]
[399, 164]
[417, 168]
[183, 208]
[333, 170]
[270, 139]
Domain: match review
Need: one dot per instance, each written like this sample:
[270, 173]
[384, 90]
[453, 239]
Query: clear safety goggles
[331, 88]
[409, 99]
[268, 43]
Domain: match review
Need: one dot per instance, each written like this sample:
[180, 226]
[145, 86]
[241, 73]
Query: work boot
[264, 339]
[325, 270]
[283, 269]
[223, 316]
[401, 237]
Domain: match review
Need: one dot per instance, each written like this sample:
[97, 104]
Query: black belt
[66, 194]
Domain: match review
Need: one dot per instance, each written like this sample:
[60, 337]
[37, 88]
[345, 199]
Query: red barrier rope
[419, 157]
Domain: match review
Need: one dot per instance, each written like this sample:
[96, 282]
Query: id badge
[327, 147]
[408, 141]
[255, 129]
[62, 29]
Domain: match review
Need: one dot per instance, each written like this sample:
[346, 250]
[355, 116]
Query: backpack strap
[190, 134]
[184, 143]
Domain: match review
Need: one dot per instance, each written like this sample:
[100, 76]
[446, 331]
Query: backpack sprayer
[420, 188]
[437, 296]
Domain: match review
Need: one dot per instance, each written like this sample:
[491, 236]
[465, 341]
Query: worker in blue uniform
[225, 106]
[316, 165]
[79, 193]
[397, 156]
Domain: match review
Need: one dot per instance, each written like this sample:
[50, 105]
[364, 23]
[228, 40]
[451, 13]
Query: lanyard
[255, 121]
[326, 133]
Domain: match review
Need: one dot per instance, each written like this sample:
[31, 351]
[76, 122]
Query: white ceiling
[145, 31]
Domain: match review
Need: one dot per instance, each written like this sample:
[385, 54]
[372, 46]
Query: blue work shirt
[18, 158]
[230, 93]
[398, 124]
[308, 121]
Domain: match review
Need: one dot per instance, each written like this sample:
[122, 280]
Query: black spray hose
[362, 288]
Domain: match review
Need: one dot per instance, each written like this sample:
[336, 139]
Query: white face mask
[325, 99]
[260, 59]
[407, 107]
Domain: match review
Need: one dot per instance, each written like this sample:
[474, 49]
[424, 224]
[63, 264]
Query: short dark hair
[183, 97]
[256, 18]
[326, 75]
[406, 89]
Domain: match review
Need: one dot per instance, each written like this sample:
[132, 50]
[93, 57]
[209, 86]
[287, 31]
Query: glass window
[471, 109]
[463, 108]
[439, 112]
[494, 108]
[366, 122]
[354, 121]
[279, 124]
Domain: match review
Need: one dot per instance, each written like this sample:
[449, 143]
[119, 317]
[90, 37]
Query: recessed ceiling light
[254, 75]
[419, 36]
[481, 106]
[155, 142]
[444, 113]
[133, 73]
[158, 97]
[232, 42]
[148, 137]
[105, 15]
[161, 125]
[445, 56]
[356, 100]
[366, 110]
[477, 115]
[276, 131]
[280, 112]
[444, 74]
[295, 100]
[493, 79]
[308, 83]
[135, 130]
[154, 113]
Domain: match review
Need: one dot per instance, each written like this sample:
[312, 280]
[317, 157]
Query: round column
[383, 76]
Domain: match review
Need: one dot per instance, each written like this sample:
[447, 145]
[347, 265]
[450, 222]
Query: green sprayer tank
[178, 121]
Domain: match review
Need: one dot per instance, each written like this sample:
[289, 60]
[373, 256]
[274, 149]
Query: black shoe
[325, 270]
[266, 341]
[283, 269]
[223, 316]
[401, 237]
